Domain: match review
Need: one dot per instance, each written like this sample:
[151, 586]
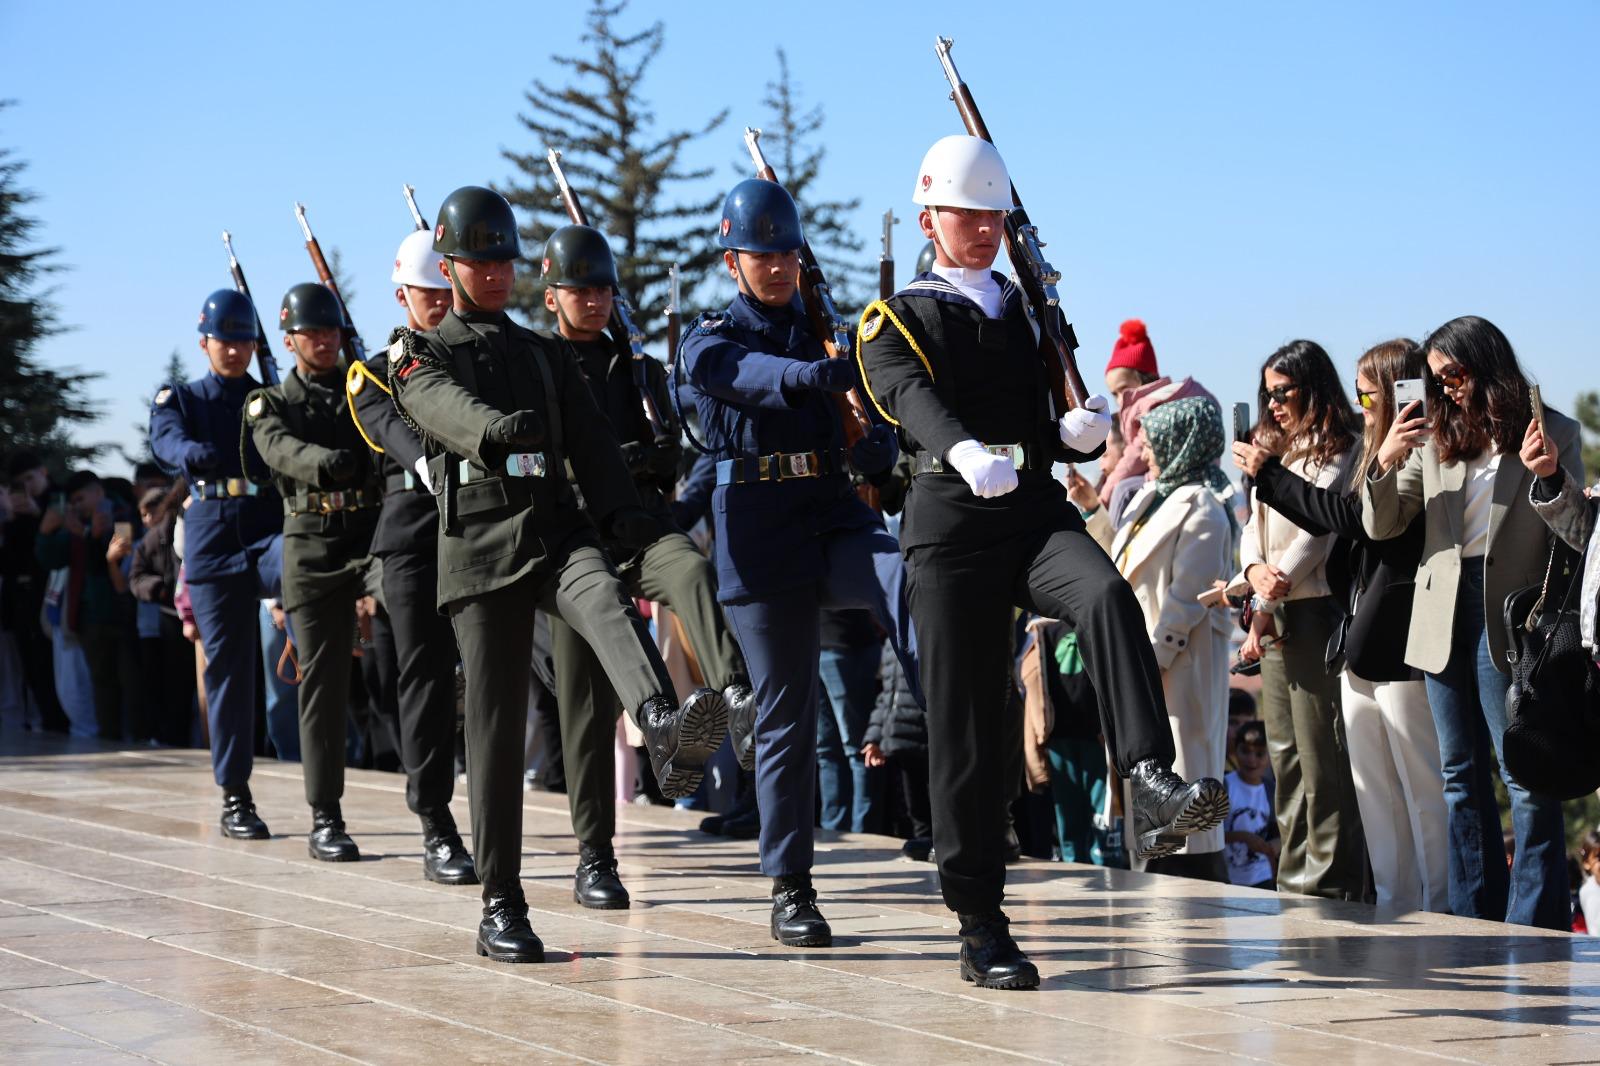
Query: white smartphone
[1408, 391]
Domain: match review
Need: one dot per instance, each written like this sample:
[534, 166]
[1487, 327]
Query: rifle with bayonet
[354, 351]
[1057, 341]
[674, 315]
[265, 363]
[411, 202]
[621, 312]
[886, 260]
[826, 322]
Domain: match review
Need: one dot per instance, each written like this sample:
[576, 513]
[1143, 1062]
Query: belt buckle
[1013, 452]
[234, 486]
[332, 501]
[798, 464]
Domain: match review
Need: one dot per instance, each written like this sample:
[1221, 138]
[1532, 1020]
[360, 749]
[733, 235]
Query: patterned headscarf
[1185, 438]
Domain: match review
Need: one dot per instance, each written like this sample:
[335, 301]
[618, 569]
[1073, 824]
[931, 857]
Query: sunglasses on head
[1452, 377]
[1282, 393]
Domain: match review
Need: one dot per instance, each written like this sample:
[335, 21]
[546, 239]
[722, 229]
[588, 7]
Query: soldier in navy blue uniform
[953, 360]
[407, 540]
[792, 537]
[230, 529]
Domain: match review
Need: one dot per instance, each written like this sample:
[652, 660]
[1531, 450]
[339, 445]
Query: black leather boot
[445, 859]
[328, 841]
[504, 934]
[682, 740]
[742, 722]
[1166, 808]
[989, 957]
[795, 918]
[239, 818]
[596, 884]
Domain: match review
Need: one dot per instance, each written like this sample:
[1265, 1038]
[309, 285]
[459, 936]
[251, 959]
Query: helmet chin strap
[938, 235]
[455, 283]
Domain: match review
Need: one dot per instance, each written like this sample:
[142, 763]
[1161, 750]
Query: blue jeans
[849, 683]
[1468, 699]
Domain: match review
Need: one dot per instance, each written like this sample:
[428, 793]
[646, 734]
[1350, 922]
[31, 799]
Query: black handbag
[1552, 740]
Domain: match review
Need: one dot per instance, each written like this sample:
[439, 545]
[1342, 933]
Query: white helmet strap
[938, 233]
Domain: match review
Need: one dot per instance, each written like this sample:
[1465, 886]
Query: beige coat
[1519, 542]
[1182, 551]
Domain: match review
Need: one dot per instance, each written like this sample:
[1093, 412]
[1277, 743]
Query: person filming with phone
[1447, 459]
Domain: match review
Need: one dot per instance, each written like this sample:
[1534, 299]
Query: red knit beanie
[1133, 349]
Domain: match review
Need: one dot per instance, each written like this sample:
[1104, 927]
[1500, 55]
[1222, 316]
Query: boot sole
[355, 857]
[815, 940]
[701, 730]
[1205, 811]
[508, 956]
[467, 879]
[617, 906]
[245, 836]
[1017, 982]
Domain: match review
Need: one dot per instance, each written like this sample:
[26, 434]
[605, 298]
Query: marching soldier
[953, 361]
[330, 504]
[502, 410]
[580, 276]
[792, 537]
[407, 541]
[230, 530]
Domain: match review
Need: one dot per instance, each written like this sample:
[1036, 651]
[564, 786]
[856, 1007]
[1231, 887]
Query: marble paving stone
[29, 1042]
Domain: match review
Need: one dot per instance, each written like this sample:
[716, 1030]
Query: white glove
[1083, 429]
[421, 468]
[985, 474]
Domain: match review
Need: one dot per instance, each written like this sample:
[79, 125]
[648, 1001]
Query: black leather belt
[221, 490]
[329, 502]
[930, 463]
[779, 466]
[404, 481]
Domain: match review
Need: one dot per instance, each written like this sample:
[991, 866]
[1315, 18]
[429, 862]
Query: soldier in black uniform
[580, 275]
[330, 505]
[407, 542]
[952, 359]
[502, 410]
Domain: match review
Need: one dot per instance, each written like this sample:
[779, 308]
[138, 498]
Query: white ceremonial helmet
[416, 263]
[963, 171]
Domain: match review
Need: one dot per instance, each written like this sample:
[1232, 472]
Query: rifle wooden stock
[1057, 341]
[674, 316]
[621, 313]
[354, 351]
[265, 363]
[820, 310]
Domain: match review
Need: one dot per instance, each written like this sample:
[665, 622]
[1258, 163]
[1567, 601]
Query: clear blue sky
[1236, 174]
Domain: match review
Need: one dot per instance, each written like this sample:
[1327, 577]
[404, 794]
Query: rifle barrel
[411, 202]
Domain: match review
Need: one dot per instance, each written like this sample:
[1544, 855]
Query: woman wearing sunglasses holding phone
[1394, 750]
[1306, 419]
[1456, 464]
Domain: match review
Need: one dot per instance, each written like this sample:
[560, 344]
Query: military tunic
[509, 544]
[299, 426]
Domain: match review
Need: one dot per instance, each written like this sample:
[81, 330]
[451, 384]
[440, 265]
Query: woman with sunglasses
[1306, 420]
[1394, 750]
[1456, 464]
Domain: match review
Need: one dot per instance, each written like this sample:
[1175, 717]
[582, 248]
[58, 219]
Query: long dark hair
[1497, 406]
[1385, 364]
[1327, 426]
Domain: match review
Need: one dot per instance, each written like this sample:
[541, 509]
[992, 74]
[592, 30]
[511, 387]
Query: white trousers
[1394, 758]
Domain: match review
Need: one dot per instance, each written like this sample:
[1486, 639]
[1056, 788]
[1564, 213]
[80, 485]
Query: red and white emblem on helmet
[283, 314]
[727, 224]
[544, 265]
[438, 232]
[202, 317]
[927, 180]
[397, 264]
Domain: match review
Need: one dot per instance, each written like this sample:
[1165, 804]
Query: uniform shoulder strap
[923, 312]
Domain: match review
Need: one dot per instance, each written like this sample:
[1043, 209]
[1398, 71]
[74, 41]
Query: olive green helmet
[925, 259]
[310, 305]
[578, 257]
[476, 223]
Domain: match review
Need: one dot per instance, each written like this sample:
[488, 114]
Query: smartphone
[1408, 391]
[1538, 416]
[1241, 423]
[122, 531]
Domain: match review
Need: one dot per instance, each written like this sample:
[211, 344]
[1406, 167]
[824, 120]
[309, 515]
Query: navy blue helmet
[228, 316]
[760, 216]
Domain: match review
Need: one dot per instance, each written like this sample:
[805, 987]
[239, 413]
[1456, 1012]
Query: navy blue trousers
[780, 634]
[226, 611]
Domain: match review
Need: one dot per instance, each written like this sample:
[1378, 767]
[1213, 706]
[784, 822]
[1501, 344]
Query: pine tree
[39, 406]
[622, 171]
[786, 140]
[174, 373]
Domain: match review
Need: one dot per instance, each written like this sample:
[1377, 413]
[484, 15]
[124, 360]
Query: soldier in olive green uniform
[502, 410]
[580, 275]
[330, 503]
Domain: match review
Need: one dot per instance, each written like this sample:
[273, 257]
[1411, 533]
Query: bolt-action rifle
[1057, 341]
[354, 351]
[265, 363]
[886, 260]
